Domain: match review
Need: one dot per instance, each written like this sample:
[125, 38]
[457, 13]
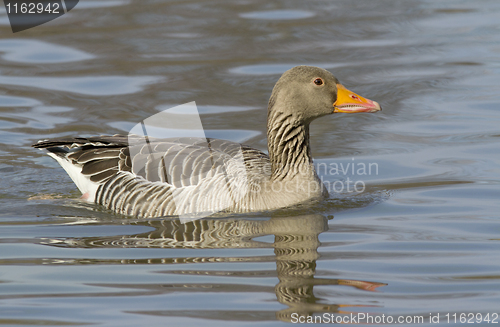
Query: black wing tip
[37, 145]
[113, 140]
[42, 144]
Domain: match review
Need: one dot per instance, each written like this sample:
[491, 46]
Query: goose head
[307, 92]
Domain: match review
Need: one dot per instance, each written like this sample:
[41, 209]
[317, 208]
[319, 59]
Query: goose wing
[178, 162]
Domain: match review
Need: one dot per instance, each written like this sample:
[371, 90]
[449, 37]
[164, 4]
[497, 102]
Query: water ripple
[276, 69]
[35, 52]
[88, 85]
[205, 109]
[11, 101]
[279, 14]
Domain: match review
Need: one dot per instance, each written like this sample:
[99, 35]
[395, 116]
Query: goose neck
[288, 145]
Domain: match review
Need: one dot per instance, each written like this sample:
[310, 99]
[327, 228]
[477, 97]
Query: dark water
[422, 238]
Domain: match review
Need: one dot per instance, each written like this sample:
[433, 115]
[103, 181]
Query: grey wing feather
[179, 162]
[140, 178]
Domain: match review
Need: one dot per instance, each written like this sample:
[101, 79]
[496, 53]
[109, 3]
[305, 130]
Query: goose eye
[318, 81]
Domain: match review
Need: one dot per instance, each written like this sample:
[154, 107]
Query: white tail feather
[84, 184]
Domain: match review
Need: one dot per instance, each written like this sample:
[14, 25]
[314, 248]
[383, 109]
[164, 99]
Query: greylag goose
[193, 176]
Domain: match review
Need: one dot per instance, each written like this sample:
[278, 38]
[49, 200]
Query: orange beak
[349, 102]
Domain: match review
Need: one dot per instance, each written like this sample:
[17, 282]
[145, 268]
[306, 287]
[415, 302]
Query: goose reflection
[295, 247]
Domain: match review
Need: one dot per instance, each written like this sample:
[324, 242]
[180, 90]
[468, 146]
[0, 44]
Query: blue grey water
[420, 238]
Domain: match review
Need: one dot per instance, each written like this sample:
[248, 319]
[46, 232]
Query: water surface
[423, 238]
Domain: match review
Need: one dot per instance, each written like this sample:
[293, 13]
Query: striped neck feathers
[288, 145]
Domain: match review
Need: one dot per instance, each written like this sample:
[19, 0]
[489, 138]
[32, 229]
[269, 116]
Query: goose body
[190, 176]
